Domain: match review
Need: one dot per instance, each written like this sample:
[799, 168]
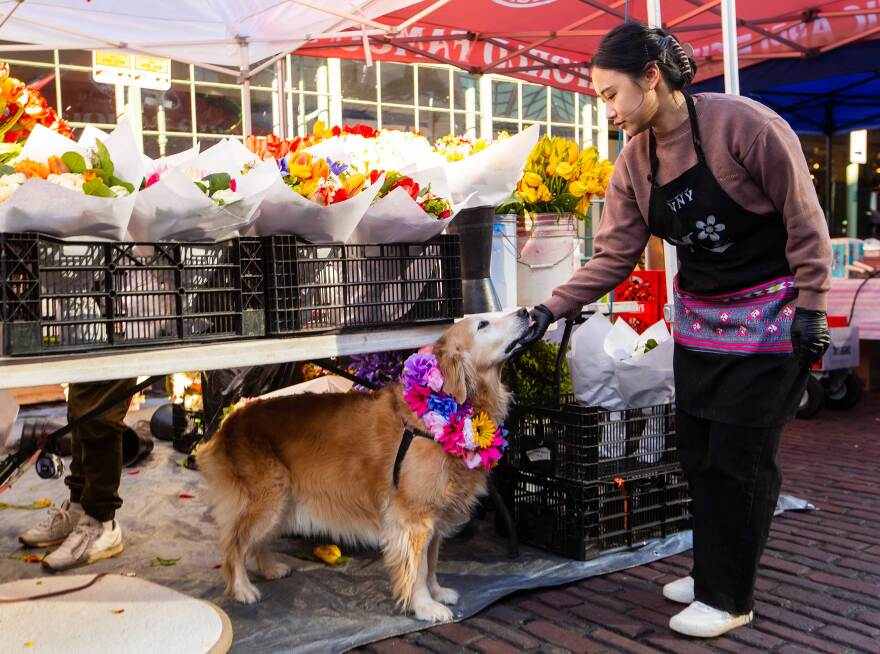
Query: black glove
[541, 318]
[810, 336]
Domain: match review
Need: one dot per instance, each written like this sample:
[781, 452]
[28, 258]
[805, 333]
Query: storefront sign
[144, 71]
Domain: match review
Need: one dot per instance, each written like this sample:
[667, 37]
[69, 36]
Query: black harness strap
[405, 440]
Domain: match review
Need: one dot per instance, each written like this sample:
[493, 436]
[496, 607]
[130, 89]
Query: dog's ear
[458, 371]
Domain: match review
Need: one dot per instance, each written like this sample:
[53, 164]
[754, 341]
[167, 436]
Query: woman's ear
[458, 371]
[652, 77]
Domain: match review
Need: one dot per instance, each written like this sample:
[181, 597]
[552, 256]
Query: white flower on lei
[709, 229]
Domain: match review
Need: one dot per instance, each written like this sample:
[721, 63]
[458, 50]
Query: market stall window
[218, 110]
[534, 102]
[433, 85]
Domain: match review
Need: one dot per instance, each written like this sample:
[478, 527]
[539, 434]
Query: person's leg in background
[736, 478]
[95, 473]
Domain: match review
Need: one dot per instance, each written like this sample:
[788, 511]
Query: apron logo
[680, 200]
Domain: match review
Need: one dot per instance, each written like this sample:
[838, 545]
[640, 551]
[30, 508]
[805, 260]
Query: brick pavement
[818, 590]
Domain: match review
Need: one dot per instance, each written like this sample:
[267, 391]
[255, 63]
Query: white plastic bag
[608, 371]
[41, 206]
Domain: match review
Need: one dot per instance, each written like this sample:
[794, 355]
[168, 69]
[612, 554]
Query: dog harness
[409, 432]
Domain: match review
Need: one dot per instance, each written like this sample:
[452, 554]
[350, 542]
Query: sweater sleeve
[619, 241]
[776, 162]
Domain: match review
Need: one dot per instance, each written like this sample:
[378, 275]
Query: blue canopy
[835, 92]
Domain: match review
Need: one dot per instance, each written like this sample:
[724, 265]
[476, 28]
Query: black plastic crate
[579, 520]
[66, 296]
[586, 444]
[335, 287]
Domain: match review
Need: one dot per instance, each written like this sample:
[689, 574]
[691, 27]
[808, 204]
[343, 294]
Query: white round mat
[117, 614]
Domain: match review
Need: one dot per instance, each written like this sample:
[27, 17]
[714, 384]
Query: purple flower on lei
[417, 369]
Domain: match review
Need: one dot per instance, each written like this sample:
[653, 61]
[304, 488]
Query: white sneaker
[91, 541]
[55, 527]
[680, 590]
[702, 621]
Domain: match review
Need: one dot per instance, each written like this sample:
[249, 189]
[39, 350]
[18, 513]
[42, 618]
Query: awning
[223, 35]
[552, 41]
[835, 92]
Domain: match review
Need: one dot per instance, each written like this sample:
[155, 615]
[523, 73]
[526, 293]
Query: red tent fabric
[551, 41]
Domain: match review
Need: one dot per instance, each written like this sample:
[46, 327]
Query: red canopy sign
[551, 41]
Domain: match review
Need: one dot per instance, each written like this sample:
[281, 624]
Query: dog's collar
[409, 432]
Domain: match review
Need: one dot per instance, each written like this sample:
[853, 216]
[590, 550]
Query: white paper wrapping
[40, 206]
[176, 209]
[284, 211]
[605, 373]
[397, 218]
[489, 177]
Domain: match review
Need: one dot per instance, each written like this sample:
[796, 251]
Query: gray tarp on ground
[317, 608]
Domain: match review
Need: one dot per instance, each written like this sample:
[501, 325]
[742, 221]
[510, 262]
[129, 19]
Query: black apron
[734, 299]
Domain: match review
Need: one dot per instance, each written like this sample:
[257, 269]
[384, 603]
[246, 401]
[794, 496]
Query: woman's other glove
[810, 336]
[541, 318]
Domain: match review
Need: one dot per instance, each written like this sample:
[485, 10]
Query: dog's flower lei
[469, 435]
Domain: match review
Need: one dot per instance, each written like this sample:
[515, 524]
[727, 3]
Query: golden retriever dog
[321, 465]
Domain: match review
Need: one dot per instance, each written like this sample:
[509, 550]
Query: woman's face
[630, 102]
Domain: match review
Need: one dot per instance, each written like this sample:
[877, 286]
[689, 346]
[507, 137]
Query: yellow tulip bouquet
[558, 178]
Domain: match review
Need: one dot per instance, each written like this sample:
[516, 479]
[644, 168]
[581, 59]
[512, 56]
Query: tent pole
[829, 176]
[729, 47]
[244, 70]
[281, 94]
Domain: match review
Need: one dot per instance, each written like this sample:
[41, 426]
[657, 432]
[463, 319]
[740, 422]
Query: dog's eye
[482, 324]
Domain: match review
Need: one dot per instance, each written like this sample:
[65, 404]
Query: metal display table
[18, 372]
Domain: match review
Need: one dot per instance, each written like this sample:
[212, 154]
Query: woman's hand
[541, 318]
[810, 336]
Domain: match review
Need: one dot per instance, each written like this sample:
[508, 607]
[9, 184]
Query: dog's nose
[523, 313]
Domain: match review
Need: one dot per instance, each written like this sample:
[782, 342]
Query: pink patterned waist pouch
[752, 321]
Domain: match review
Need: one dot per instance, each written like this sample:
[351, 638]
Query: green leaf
[6, 170]
[115, 181]
[98, 188]
[74, 162]
[164, 563]
[217, 182]
[202, 186]
[104, 161]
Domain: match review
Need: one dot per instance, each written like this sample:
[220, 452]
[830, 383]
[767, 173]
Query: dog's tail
[226, 491]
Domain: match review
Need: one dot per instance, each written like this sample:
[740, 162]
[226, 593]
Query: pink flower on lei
[417, 399]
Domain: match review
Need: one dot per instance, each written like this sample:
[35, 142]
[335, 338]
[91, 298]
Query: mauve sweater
[757, 159]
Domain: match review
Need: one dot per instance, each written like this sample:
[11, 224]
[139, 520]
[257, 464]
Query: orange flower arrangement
[21, 109]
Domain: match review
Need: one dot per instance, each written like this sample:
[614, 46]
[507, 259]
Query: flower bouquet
[456, 148]
[559, 179]
[207, 196]
[406, 209]
[482, 176]
[22, 109]
[274, 147]
[66, 188]
[317, 198]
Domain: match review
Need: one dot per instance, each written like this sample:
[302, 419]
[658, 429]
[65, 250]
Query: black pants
[96, 464]
[734, 477]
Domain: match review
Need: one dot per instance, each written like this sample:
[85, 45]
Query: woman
[725, 180]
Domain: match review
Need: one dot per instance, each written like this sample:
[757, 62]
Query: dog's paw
[444, 595]
[275, 570]
[433, 612]
[245, 593]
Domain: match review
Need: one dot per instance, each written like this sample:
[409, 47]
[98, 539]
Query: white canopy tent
[233, 37]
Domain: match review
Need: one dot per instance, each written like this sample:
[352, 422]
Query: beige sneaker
[91, 541]
[55, 527]
[702, 621]
[680, 590]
